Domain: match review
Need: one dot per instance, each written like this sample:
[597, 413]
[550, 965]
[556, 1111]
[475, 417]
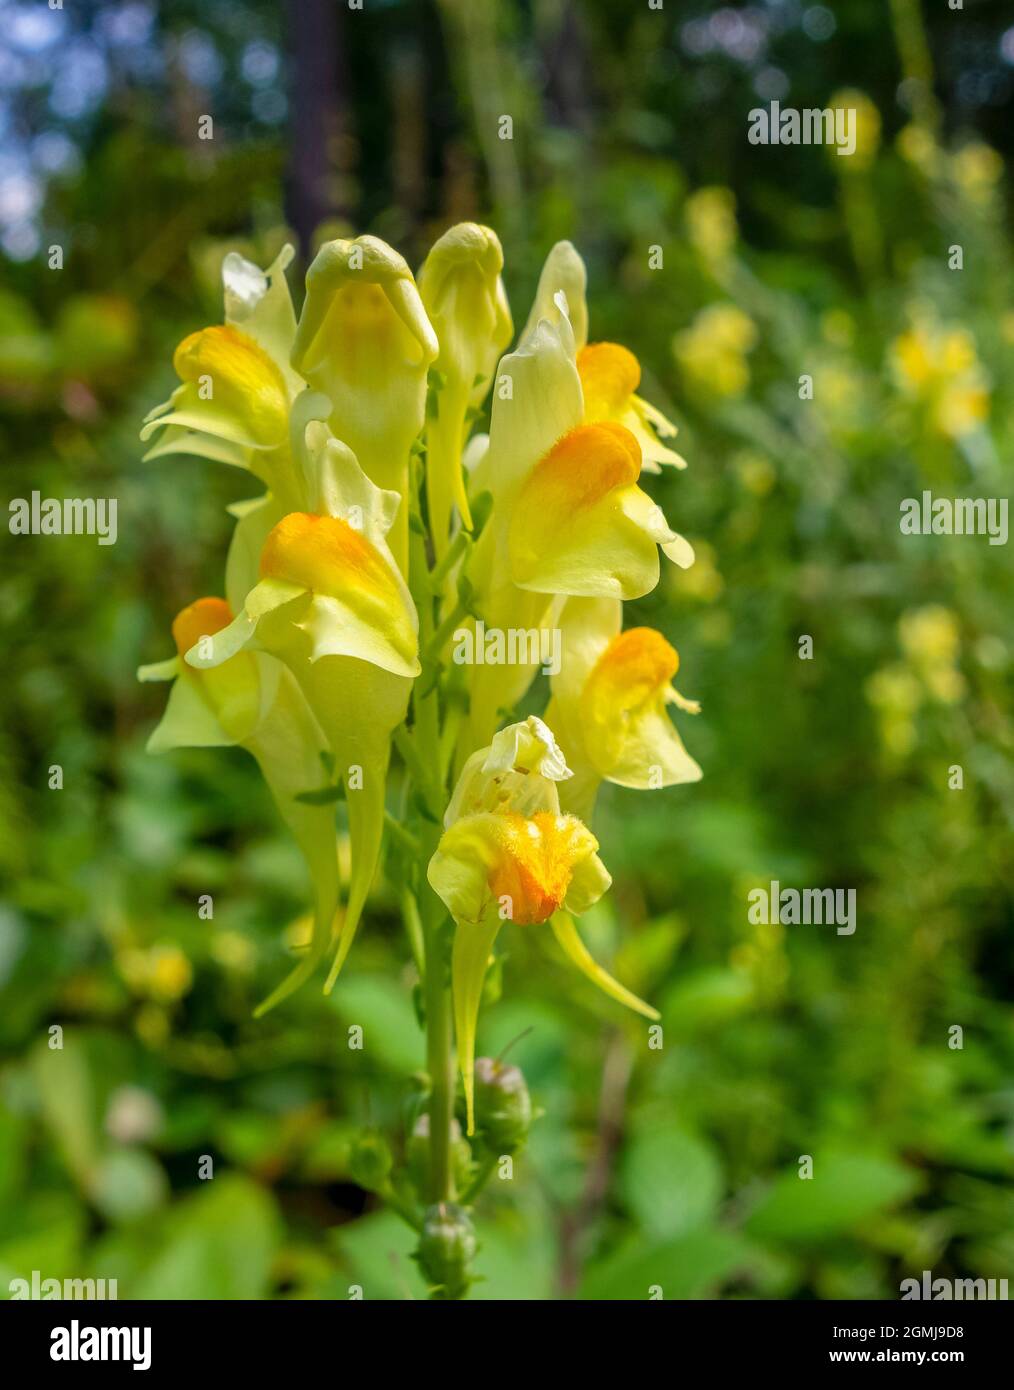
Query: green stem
[439, 1061]
[397, 1204]
[414, 930]
[455, 551]
[407, 841]
[486, 1170]
[445, 631]
[422, 753]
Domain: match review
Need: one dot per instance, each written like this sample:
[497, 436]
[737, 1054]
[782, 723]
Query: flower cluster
[387, 525]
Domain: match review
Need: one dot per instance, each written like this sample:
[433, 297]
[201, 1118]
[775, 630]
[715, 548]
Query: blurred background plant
[674, 1168]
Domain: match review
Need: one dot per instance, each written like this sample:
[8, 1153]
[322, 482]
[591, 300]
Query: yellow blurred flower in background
[976, 169]
[896, 695]
[711, 222]
[917, 145]
[931, 643]
[162, 973]
[755, 472]
[712, 351]
[939, 368]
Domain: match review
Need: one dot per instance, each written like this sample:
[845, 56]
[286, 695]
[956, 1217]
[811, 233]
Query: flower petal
[518, 772]
[581, 526]
[536, 399]
[463, 294]
[188, 722]
[563, 271]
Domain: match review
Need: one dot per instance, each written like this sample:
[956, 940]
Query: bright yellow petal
[365, 341]
[610, 374]
[564, 273]
[650, 426]
[521, 865]
[259, 304]
[360, 606]
[232, 690]
[517, 772]
[536, 399]
[579, 525]
[248, 391]
[464, 297]
[627, 734]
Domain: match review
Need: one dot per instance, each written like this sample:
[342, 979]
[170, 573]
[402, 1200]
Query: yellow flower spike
[364, 340]
[580, 525]
[609, 703]
[463, 294]
[238, 387]
[610, 376]
[250, 700]
[332, 606]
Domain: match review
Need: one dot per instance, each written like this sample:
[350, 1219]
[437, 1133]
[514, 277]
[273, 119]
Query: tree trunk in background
[318, 96]
[567, 69]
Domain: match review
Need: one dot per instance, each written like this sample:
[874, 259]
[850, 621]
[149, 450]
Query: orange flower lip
[582, 467]
[243, 378]
[610, 374]
[327, 556]
[203, 618]
[632, 668]
[536, 863]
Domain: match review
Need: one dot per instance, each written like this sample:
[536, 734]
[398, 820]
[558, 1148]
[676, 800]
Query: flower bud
[503, 1107]
[446, 1249]
[370, 1160]
[417, 1154]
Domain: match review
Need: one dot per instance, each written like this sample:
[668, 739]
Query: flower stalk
[390, 526]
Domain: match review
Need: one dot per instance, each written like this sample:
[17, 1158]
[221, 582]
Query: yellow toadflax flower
[365, 341]
[569, 518]
[310, 660]
[238, 387]
[252, 701]
[712, 352]
[508, 854]
[939, 368]
[332, 606]
[610, 373]
[464, 297]
[609, 705]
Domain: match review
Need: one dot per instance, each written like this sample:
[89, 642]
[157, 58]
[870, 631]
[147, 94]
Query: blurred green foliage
[677, 1167]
